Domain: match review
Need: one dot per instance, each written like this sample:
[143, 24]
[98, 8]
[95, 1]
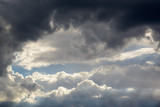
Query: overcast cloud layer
[107, 22]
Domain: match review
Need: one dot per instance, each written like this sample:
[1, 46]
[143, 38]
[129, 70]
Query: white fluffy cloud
[16, 88]
[103, 86]
[112, 76]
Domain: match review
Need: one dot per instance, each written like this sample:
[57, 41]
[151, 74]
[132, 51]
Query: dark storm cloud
[11, 104]
[23, 20]
[108, 99]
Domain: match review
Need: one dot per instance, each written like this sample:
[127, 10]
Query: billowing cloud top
[104, 86]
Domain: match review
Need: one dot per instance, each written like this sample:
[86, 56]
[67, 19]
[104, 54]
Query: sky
[79, 53]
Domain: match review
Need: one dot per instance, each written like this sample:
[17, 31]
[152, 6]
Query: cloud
[93, 95]
[59, 48]
[16, 88]
[106, 22]
[82, 31]
[130, 55]
[103, 86]
[88, 97]
[66, 46]
[55, 49]
[112, 75]
[50, 82]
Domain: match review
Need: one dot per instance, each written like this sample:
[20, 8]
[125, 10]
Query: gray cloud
[16, 88]
[64, 47]
[11, 104]
[136, 76]
[109, 98]
[92, 95]
[23, 20]
[103, 86]
[111, 23]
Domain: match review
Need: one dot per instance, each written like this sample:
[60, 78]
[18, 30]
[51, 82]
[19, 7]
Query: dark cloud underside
[106, 100]
[23, 20]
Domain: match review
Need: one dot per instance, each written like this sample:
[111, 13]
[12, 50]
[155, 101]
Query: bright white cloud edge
[61, 48]
[58, 87]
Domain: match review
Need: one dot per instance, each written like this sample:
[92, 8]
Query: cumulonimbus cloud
[110, 22]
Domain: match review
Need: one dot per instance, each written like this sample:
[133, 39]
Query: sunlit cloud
[83, 53]
[63, 47]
